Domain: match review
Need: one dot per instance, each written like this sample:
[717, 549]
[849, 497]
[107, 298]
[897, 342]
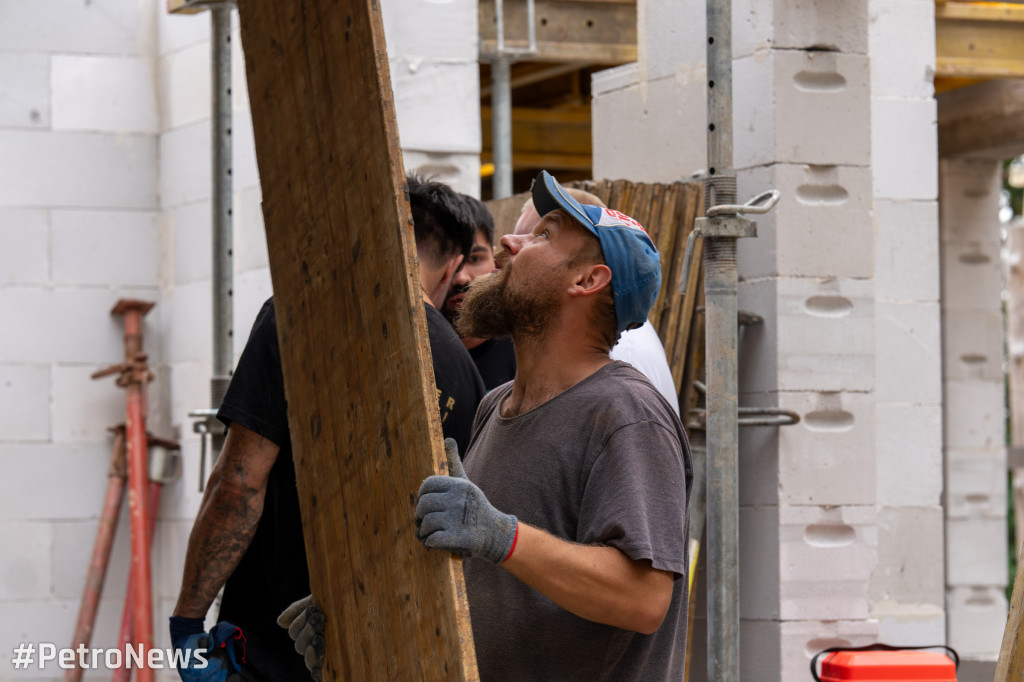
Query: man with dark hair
[248, 535]
[494, 358]
[572, 508]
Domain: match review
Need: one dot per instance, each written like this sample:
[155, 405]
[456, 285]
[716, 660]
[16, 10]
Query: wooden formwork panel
[354, 347]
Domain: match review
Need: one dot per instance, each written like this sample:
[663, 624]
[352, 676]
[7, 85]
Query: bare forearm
[224, 528]
[597, 583]
[227, 519]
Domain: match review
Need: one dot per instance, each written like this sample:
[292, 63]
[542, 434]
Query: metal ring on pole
[762, 203]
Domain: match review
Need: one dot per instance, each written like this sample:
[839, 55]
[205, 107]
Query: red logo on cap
[625, 219]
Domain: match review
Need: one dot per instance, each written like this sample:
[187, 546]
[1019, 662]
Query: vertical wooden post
[354, 349]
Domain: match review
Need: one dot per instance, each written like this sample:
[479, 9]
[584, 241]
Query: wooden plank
[354, 348]
[1010, 666]
[982, 121]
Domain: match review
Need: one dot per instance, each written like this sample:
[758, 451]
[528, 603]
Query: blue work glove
[452, 513]
[304, 622]
[188, 637]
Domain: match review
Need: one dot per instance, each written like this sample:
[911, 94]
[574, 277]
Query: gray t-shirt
[606, 462]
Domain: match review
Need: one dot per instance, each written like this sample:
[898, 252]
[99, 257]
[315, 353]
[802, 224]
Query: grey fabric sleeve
[634, 498]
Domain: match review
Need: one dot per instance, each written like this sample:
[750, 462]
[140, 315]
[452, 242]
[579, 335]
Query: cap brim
[548, 195]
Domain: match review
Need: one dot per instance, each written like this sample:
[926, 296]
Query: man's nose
[513, 242]
[461, 278]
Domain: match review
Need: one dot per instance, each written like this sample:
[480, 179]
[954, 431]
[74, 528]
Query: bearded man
[572, 508]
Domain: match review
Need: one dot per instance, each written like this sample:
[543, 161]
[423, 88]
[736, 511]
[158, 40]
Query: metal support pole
[501, 125]
[720, 286]
[223, 268]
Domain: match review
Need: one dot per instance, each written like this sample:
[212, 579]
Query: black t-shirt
[459, 386]
[496, 361]
[273, 573]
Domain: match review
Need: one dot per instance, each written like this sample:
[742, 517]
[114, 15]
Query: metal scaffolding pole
[720, 287]
[223, 269]
[501, 125]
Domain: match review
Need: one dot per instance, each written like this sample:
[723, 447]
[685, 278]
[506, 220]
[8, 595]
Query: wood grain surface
[354, 348]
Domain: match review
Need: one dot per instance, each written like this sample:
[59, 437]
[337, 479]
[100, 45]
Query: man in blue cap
[572, 509]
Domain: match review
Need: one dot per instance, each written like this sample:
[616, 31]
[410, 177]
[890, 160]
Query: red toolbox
[885, 665]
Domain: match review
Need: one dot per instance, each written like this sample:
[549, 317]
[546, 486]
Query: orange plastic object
[888, 666]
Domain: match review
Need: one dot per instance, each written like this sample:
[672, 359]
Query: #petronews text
[94, 659]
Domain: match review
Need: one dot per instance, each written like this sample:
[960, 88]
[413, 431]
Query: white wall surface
[104, 194]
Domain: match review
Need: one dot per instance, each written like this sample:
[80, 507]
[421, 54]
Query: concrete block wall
[79, 219]
[104, 194]
[908, 604]
[834, 107]
[975, 423]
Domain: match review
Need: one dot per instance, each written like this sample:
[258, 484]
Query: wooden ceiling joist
[979, 39]
[589, 31]
[985, 120]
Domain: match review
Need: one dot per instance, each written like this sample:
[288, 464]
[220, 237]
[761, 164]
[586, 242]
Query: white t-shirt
[642, 348]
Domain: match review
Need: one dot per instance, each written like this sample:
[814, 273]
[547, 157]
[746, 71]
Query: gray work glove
[305, 624]
[452, 513]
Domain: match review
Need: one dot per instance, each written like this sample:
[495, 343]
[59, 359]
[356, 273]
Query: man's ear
[450, 268]
[591, 280]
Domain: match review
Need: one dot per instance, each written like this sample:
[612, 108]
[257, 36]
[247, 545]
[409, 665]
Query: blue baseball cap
[628, 250]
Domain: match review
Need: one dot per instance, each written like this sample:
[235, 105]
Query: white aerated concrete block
[72, 325]
[436, 104]
[975, 415]
[826, 557]
[107, 94]
[250, 235]
[906, 250]
[826, 335]
[913, 625]
[105, 248]
[903, 60]
[77, 170]
[169, 547]
[973, 345]
[759, 562]
[909, 576]
[73, 542]
[459, 170]
[25, 258]
[25, 403]
[904, 144]
[244, 171]
[185, 86]
[672, 36]
[252, 289]
[800, 640]
[190, 225]
[972, 276]
[758, 456]
[188, 327]
[969, 211]
[84, 408]
[649, 131]
[98, 27]
[37, 480]
[908, 352]
[828, 458]
[814, 25]
[791, 106]
[437, 30]
[975, 484]
[26, 99]
[821, 227]
[184, 164]
[25, 571]
[977, 618]
[980, 555]
[909, 455]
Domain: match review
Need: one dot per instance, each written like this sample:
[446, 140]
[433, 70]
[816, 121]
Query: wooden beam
[354, 349]
[979, 39]
[982, 121]
[528, 73]
[566, 30]
[545, 138]
[1010, 665]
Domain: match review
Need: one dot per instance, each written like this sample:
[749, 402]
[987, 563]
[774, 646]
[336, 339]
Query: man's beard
[492, 309]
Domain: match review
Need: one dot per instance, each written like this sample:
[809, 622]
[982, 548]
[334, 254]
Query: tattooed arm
[226, 523]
